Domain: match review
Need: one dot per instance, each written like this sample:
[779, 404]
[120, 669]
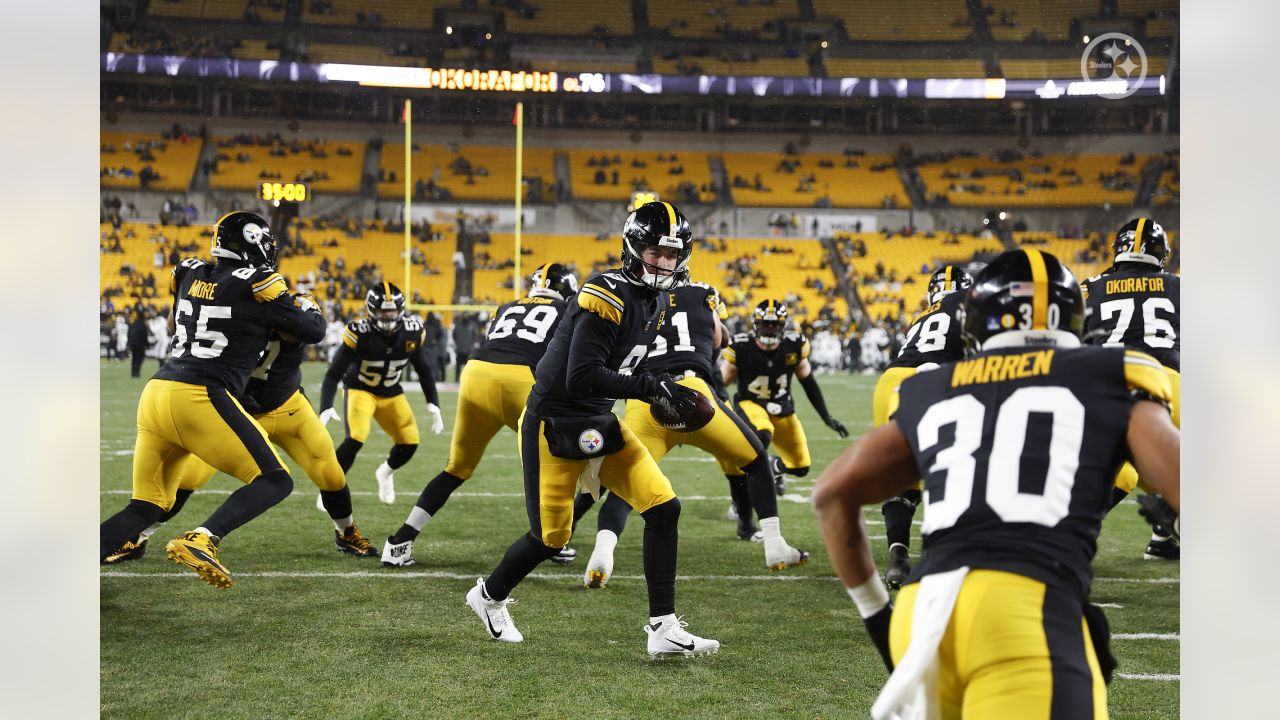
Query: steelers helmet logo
[252, 232]
[590, 441]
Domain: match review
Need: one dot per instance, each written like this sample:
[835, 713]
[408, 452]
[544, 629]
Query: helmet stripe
[1040, 290]
[671, 215]
[386, 290]
[1137, 236]
[544, 276]
[947, 280]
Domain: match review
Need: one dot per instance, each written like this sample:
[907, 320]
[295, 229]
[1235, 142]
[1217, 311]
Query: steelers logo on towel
[590, 441]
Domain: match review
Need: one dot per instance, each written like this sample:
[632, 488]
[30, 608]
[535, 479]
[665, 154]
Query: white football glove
[437, 420]
[329, 414]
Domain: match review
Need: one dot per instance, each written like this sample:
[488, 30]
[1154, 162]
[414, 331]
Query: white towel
[589, 478]
[912, 690]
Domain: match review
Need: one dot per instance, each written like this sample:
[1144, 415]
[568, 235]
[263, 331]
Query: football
[686, 416]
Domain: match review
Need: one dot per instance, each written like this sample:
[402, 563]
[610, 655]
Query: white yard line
[1145, 636]
[1157, 678]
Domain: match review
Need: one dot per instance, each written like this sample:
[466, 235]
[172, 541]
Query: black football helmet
[554, 281]
[385, 304]
[244, 239]
[769, 323]
[946, 280]
[661, 224]
[1142, 240]
[1023, 290]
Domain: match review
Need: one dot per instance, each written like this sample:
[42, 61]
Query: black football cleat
[899, 567]
[1166, 549]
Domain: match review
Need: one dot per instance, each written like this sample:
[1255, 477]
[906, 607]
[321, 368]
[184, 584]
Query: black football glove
[838, 426]
[664, 389]
[878, 629]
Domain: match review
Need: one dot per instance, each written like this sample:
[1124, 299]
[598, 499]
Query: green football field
[308, 632]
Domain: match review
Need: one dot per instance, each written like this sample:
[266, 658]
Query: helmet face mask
[554, 281]
[946, 280]
[385, 304]
[770, 321]
[661, 225]
[1141, 240]
[244, 239]
[1023, 291]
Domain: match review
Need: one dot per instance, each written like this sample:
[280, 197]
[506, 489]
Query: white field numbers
[760, 387]
[535, 323]
[932, 331]
[1157, 332]
[386, 372]
[1003, 465]
[684, 340]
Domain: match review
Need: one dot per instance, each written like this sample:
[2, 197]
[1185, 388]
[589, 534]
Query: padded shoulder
[351, 334]
[1146, 377]
[267, 286]
[601, 295]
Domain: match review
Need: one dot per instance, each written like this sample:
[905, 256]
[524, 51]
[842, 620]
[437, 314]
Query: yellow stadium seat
[899, 20]
[847, 186]
[343, 171]
[175, 162]
[498, 162]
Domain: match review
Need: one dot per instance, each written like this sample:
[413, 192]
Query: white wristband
[871, 596]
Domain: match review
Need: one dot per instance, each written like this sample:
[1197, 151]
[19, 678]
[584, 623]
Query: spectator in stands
[466, 335]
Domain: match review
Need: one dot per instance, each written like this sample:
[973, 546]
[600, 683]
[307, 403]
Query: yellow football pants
[1127, 479]
[884, 403]
[490, 396]
[789, 440]
[177, 420]
[295, 427]
[722, 437]
[393, 414]
[1015, 649]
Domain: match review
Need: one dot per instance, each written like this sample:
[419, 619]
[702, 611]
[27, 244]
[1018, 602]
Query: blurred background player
[1018, 447]
[1136, 304]
[568, 428]
[370, 361]
[685, 348]
[221, 318]
[274, 397]
[495, 386]
[763, 362]
[933, 338]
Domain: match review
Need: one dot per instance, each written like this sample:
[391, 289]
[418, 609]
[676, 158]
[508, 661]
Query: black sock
[347, 452]
[125, 525]
[741, 495]
[613, 514]
[898, 513]
[759, 483]
[661, 538]
[178, 501]
[337, 502]
[522, 557]
[431, 499]
[400, 455]
[249, 502]
[1116, 496]
[582, 502]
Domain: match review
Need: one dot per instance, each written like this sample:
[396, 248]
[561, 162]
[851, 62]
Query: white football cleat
[731, 513]
[669, 638]
[565, 556]
[599, 567]
[494, 614]
[320, 502]
[397, 554]
[386, 483]
[778, 555]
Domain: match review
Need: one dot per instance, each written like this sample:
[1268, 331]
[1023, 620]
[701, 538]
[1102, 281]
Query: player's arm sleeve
[593, 339]
[282, 314]
[426, 378]
[811, 389]
[342, 359]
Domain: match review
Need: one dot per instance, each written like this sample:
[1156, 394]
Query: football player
[1018, 447]
[568, 428]
[275, 399]
[222, 314]
[764, 363]
[495, 385]
[932, 339]
[370, 361]
[1136, 304]
[684, 348]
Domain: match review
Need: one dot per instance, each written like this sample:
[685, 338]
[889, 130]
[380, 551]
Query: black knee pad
[668, 513]
[400, 454]
[765, 436]
[279, 482]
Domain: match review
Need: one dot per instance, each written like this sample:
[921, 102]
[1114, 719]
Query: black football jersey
[222, 317]
[1135, 305]
[381, 358]
[519, 332]
[277, 377]
[609, 313]
[765, 376]
[934, 335]
[1018, 448]
[687, 338]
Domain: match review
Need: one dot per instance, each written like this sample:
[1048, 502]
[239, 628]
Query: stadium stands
[218, 9]
[795, 67]
[389, 14]
[122, 161]
[636, 170]
[329, 166]
[900, 20]
[903, 68]
[574, 17]
[468, 172]
[704, 20]
[1168, 188]
[1062, 180]
[849, 181]
[1014, 21]
[1067, 68]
